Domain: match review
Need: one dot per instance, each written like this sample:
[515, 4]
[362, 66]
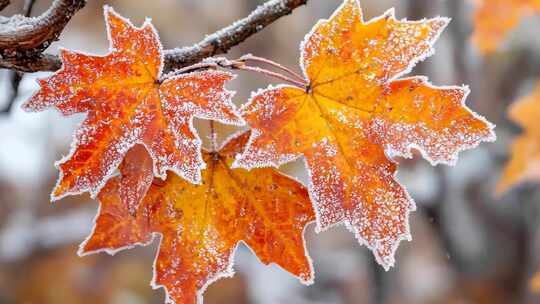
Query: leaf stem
[302, 84]
[213, 136]
[240, 64]
[191, 68]
[251, 57]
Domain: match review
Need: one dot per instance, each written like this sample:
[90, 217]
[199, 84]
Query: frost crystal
[127, 103]
[356, 116]
[202, 225]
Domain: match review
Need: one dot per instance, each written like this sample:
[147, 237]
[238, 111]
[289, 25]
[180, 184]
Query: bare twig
[35, 63]
[224, 39]
[15, 77]
[21, 36]
[214, 44]
[28, 6]
[3, 4]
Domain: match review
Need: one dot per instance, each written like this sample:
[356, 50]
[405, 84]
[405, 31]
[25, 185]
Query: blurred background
[468, 247]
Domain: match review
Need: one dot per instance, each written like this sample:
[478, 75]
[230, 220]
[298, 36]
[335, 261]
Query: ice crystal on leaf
[495, 18]
[355, 115]
[201, 225]
[525, 162]
[127, 103]
[136, 178]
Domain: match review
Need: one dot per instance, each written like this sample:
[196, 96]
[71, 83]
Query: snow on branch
[217, 43]
[223, 40]
[22, 36]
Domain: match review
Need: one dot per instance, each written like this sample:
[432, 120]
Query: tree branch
[36, 63]
[28, 7]
[224, 39]
[214, 44]
[22, 36]
[15, 77]
[3, 4]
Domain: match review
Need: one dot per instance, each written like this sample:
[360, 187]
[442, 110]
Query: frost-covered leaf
[137, 178]
[201, 225]
[128, 103]
[524, 164]
[494, 19]
[355, 116]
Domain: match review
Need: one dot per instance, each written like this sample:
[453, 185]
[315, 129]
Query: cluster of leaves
[494, 19]
[348, 118]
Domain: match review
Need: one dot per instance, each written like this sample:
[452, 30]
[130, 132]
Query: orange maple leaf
[494, 19]
[137, 177]
[354, 116]
[534, 283]
[525, 162]
[127, 102]
[201, 225]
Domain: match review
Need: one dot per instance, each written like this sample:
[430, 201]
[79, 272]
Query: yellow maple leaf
[494, 19]
[355, 115]
[524, 164]
[201, 225]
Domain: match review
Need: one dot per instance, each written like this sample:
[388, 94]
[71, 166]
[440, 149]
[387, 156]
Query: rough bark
[24, 37]
[26, 54]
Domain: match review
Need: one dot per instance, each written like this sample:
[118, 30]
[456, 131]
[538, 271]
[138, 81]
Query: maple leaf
[201, 225]
[127, 103]
[354, 116]
[524, 164]
[494, 19]
[137, 177]
[534, 284]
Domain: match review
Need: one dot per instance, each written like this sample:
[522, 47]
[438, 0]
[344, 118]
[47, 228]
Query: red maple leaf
[127, 103]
